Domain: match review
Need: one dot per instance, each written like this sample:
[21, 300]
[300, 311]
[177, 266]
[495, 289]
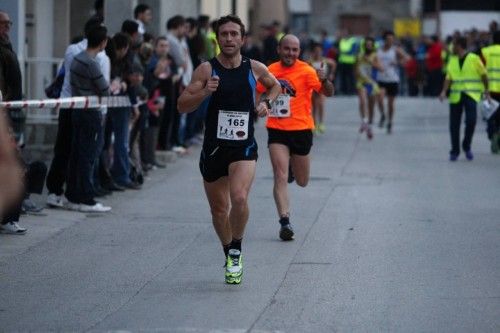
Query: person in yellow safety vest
[491, 56]
[277, 29]
[347, 48]
[204, 30]
[467, 81]
[213, 38]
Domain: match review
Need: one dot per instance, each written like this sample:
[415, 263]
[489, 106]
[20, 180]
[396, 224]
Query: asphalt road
[390, 237]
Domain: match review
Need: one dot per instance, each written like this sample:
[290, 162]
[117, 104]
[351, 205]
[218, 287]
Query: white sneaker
[97, 208]
[12, 228]
[72, 206]
[179, 149]
[55, 201]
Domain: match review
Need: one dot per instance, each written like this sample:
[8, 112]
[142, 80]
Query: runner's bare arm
[202, 85]
[267, 79]
[377, 64]
[359, 73]
[327, 88]
[332, 64]
[446, 86]
[403, 56]
[272, 85]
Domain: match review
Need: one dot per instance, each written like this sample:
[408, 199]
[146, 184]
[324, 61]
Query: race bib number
[232, 125]
[281, 107]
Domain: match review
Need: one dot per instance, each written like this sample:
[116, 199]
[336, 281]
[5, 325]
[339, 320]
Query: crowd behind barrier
[112, 123]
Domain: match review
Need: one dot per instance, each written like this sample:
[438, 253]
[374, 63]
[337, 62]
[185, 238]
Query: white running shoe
[72, 206]
[369, 133]
[179, 149]
[55, 201]
[12, 228]
[97, 208]
[363, 127]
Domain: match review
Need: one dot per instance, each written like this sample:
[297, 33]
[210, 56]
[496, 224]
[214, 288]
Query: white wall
[429, 26]
[41, 46]
[117, 11]
[460, 20]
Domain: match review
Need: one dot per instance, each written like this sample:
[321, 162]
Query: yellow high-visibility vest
[467, 79]
[491, 55]
[213, 38]
[347, 52]
[444, 56]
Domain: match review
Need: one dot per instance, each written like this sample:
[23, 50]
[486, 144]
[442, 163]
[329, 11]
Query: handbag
[53, 90]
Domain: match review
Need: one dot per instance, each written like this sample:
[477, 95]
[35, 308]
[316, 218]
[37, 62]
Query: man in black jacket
[10, 76]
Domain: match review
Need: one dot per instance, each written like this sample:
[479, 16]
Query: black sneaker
[381, 121]
[286, 232]
[132, 186]
[112, 186]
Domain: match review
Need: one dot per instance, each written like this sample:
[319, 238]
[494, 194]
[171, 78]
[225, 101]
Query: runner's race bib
[232, 125]
[281, 107]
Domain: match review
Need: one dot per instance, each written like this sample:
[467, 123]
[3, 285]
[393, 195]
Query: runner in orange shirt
[290, 124]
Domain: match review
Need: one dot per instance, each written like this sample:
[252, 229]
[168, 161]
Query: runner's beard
[288, 62]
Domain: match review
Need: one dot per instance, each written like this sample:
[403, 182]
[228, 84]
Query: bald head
[289, 50]
[289, 38]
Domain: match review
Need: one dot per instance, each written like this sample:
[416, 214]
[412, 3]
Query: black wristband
[268, 103]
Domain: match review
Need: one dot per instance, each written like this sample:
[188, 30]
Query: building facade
[43, 29]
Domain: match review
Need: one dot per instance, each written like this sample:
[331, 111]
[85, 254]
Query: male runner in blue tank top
[225, 85]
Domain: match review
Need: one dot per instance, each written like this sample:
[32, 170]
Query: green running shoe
[234, 267]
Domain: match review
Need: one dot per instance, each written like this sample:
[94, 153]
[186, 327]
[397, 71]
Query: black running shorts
[299, 142]
[215, 160]
[391, 88]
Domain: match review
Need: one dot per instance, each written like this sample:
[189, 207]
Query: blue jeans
[117, 123]
[469, 105]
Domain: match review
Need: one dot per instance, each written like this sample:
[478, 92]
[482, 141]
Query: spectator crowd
[111, 149]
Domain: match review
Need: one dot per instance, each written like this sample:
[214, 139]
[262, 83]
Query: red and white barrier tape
[86, 102]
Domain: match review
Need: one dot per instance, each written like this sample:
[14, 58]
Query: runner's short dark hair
[388, 33]
[227, 19]
[315, 45]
